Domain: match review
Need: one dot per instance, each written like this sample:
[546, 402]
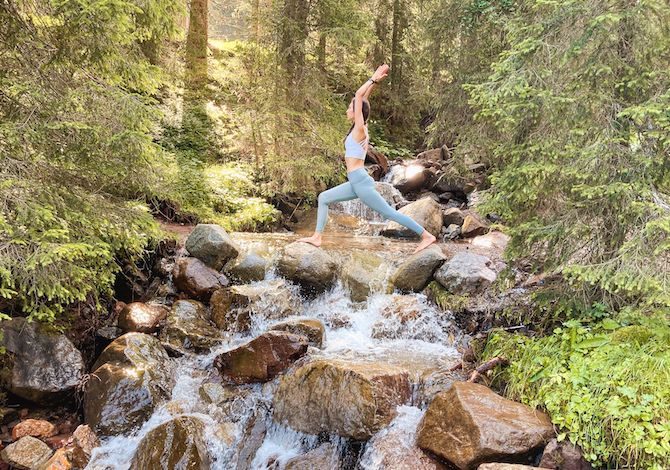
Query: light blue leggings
[361, 185]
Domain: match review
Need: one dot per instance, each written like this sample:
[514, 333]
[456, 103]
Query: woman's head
[366, 109]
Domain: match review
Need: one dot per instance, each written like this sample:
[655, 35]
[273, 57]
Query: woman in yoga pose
[360, 184]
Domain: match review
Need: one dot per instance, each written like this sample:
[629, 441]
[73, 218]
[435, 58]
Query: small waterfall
[357, 209]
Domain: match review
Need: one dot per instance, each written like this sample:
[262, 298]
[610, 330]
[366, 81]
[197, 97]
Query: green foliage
[445, 299]
[604, 385]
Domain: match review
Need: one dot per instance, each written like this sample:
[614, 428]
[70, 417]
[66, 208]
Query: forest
[119, 118]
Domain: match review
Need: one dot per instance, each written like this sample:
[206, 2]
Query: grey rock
[465, 273]
[416, 272]
[426, 212]
[212, 245]
[310, 267]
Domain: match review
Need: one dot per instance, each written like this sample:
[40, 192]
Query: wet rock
[188, 326]
[483, 427]
[311, 267]
[179, 443]
[426, 212]
[84, 441]
[504, 466]
[414, 274]
[43, 366]
[27, 453]
[34, 428]
[362, 274]
[326, 456]
[211, 244]
[563, 456]
[141, 317]
[465, 273]
[311, 328]
[250, 268]
[213, 392]
[453, 215]
[196, 279]
[452, 232]
[262, 358]
[132, 376]
[474, 225]
[350, 399]
[60, 460]
[233, 307]
[395, 447]
[251, 441]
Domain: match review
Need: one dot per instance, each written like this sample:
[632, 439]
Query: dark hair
[366, 114]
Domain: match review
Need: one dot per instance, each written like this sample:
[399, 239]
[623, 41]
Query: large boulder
[233, 307]
[350, 399]
[211, 244]
[197, 280]
[132, 376]
[310, 267]
[262, 358]
[189, 327]
[176, 444]
[362, 274]
[43, 366]
[26, 454]
[466, 273]
[141, 317]
[311, 328]
[426, 212]
[250, 268]
[326, 456]
[469, 424]
[414, 274]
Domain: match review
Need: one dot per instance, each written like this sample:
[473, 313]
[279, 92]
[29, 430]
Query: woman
[360, 184]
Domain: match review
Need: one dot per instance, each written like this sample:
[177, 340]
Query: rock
[311, 267]
[394, 447]
[482, 427]
[249, 269]
[84, 441]
[433, 155]
[411, 178]
[27, 453]
[176, 444]
[563, 456]
[57, 441]
[350, 399]
[60, 460]
[311, 328]
[492, 240]
[43, 367]
[453, 215]
[196, 279]
[262, 358]
[449, 182]
[504, 466]
[141, 317]
[211, 244]
[425, 212]
[378, 158]
[452, 232]
[326, 456]
[474, 225]
[132, 376]
[233, 307]
[465, 273]
[34, 428]
[414, 274]
[254, 435]
[212, 392]
[362, 274]
[188, 327]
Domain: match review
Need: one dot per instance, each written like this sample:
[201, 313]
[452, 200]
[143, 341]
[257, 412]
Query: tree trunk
[196, 43]
[292, 45]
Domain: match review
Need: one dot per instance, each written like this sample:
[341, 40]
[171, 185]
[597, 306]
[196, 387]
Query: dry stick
[488, 365]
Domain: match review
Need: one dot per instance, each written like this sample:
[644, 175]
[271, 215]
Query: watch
[372, 80]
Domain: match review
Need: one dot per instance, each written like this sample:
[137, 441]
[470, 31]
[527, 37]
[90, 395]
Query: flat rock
[197, 280]
[26, 454]
[311, 328]
[474, 225]
[310, 267]
[212, 245]
[465, 273]
[414, 274]
[141, 317]
[426, 212]
[469, 424]
[350, 399]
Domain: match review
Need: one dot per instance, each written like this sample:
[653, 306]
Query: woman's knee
[323, 199]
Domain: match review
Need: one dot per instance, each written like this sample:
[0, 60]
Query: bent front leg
[343, 192]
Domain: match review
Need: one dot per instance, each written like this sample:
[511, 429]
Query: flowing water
[418, 337]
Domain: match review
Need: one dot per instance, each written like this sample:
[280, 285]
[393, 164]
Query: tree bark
[196, 43]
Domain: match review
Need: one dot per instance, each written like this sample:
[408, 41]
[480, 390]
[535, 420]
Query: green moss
[445, 299]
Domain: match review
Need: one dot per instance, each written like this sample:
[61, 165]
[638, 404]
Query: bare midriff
[353, 163]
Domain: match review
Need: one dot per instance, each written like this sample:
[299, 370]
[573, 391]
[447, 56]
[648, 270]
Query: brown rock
[58, 441]
[474, 225]
[27, 453]
[350, 399]
[469, 424]
[188, 327]
[311, 328]
[326, 456]
[262, 358]
[141, 317]
[59, 461]
[248, 269]
[84, 441]
[503, 466]
[33, 427]
[433, 155]
[563, 456]
[378, 158]
[426, 212]
[196, 279]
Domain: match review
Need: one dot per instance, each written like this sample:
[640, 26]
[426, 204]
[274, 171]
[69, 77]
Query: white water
[421, 344]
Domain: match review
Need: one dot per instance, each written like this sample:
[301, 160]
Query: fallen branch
[488, 365]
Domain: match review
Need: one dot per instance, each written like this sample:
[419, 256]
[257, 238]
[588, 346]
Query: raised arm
[364, 92]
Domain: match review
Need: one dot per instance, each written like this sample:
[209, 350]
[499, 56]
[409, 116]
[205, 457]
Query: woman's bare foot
[314, 239]
[427, 239]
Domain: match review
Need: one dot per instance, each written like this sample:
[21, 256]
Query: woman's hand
[381, 73]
